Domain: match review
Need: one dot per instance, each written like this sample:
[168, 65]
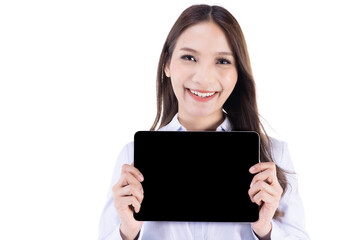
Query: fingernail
[141, 178]
[251, 184]
[252, 169]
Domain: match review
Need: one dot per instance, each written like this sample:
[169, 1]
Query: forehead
[204, 37]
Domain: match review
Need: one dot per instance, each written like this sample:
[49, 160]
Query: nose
[204, 75]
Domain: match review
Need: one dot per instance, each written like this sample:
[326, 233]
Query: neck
[199, 123]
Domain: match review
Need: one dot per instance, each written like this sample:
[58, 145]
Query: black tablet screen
[196, 176]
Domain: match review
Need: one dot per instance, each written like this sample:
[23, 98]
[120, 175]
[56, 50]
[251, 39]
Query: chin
[201, 112]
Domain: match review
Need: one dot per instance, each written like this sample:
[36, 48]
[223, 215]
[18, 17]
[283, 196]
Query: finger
[268, 176]
[263, 186]
[130, 179]
[133, 170]
[130, 190]
[129, 201]
[265, 197]
[262, 166]
[126, 179]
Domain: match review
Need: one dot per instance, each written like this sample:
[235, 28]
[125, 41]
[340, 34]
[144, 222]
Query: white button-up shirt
[292, 224]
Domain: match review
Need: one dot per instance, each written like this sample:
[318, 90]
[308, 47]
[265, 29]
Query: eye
[223, 61]
[188, 57]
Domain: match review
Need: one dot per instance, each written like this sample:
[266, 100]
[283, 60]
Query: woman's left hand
[265, 191]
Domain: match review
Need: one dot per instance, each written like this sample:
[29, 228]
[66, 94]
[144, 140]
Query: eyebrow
[194, 51]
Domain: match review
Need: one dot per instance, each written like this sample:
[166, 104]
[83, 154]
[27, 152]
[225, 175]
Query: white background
[77, 79]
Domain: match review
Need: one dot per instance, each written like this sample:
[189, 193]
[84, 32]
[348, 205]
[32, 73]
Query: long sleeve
[109, 221]
[292, 225]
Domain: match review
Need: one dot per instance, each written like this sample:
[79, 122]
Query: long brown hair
[241, 106]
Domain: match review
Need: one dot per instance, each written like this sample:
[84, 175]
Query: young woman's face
[202, 70]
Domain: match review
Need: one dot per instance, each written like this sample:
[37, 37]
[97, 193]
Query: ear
[167, 65]
[167, 69]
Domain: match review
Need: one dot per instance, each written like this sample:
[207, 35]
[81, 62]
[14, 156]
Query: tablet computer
[196, 176]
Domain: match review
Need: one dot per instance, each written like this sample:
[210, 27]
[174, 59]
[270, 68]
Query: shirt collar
[175, 125]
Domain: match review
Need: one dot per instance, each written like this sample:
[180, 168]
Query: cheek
[229, 81]
[179, 74]
[177, 82]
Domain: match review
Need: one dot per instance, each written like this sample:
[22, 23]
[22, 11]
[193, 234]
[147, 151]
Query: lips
[201, 95]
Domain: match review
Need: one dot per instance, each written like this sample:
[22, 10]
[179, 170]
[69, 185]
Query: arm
[265, 193]
[109, 227]
[292, 225]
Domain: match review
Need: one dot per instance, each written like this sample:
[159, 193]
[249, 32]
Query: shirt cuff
[277, 232]
[271, 232]
[254, 235]
[115, 235]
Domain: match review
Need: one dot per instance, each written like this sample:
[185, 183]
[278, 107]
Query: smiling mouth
[202, 94]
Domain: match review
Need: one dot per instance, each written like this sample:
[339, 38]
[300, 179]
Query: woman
[205, 83]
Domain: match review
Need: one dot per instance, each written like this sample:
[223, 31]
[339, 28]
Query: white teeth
[203, 95]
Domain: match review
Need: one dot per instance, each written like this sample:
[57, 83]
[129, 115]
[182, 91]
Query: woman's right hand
[128, 195]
